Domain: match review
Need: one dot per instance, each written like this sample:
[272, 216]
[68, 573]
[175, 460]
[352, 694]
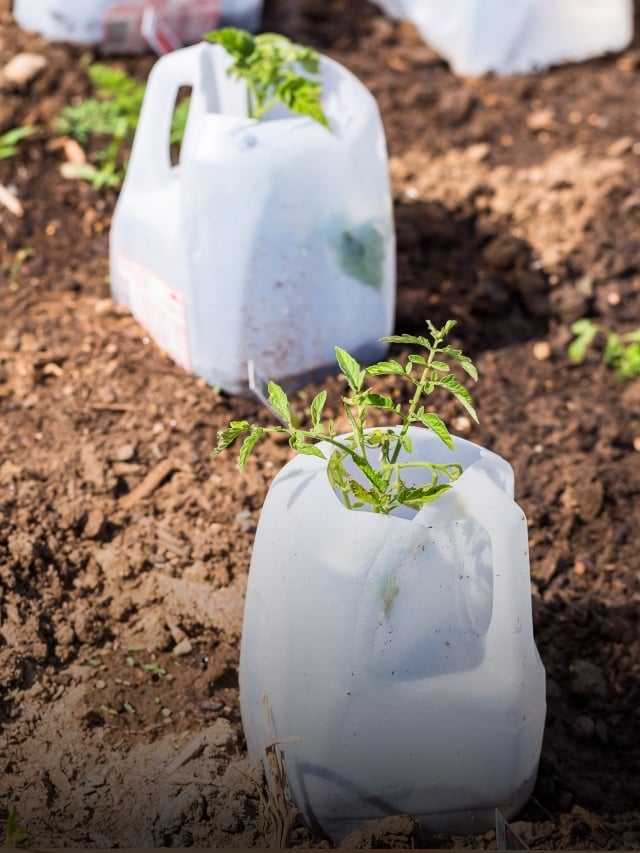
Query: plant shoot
[275, 71]
[382, 486]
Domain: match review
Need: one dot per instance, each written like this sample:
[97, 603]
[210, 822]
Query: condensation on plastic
[394, 657]
[517, 36]
[275, 238]
[82, 21]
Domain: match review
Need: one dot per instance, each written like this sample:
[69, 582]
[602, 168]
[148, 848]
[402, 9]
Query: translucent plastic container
[271, 242]
[517, 36]
[93, 21]
[394, 657]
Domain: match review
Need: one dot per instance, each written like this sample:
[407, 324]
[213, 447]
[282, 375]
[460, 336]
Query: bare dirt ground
[517, 204]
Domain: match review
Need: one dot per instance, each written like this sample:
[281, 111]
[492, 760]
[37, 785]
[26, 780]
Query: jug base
[463, 822]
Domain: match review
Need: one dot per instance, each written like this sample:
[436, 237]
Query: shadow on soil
[450, 267]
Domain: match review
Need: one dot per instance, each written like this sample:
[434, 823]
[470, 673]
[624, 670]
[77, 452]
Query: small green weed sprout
[268, 63]
[621, 352]
[16, 837]
[10, 140]
[111, 116]
[384, 487]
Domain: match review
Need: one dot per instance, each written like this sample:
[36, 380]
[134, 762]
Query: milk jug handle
[150, 162]
[506, 525]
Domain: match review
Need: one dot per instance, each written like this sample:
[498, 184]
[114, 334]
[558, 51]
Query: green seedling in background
[155, 669]
[621, 352]
[384, 488]
[269, 65]
[106, 123]
[20, 258]
[10, 140]
[15, 836]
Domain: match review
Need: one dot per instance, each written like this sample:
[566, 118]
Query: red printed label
[164, 25]
[158, 307]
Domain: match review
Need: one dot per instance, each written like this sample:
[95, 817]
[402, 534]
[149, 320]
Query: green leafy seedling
[275, 71]
[15, 836]
[155, 669]
[621, 352]
[11, 139]
[382, 488]
[109, 119]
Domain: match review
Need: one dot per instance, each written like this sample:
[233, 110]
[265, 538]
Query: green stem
[359, 459]
[409, 417]
[261, 109]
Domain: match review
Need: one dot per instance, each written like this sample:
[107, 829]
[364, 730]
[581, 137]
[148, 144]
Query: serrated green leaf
[463, 360]
[440, 334]
[269, 64]
[455, 387]
[417, 496]
[227, 436]
[303, 96]
[469, 368]
[238, 43]
[366, 496]
[317, 406]
[298, 442]
[416, 340]
[379, 401]
[406, 443]
[279, 402]
[308, 449]
[436, 425]
[353, 373]
[385, 368]
[247, 446]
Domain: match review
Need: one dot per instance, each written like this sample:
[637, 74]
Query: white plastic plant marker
[117, 25]
[399, 650]
[517, 36]
[272, 241]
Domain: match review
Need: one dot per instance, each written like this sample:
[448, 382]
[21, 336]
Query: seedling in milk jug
[383, 487]
[269, 65]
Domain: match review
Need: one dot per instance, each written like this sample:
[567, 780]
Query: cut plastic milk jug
[392, 658]
[115, 24]
[517, 36]
[271, 242]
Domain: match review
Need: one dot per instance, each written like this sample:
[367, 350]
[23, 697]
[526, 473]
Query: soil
[517, 208]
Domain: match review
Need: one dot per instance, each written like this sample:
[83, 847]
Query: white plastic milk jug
[392, 658]
[272, 241]
[116, 24]
[517, 36]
